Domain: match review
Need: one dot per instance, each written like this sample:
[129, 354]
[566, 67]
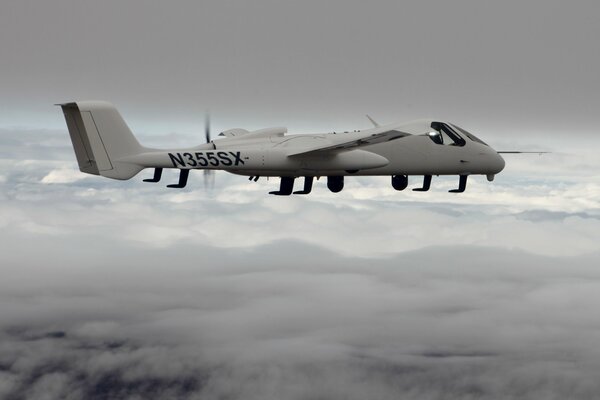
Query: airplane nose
[499, 162]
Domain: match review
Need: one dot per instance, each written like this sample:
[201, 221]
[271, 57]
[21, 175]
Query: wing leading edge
[373, 138]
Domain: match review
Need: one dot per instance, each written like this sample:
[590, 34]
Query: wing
[354, 143]
[234, 132]
[265, 132]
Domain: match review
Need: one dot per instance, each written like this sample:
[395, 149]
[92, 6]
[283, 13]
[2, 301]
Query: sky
[131, 290]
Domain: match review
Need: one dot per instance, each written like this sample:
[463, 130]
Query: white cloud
[63, 175]
[291, 321]
[121, 289]
[368, 218]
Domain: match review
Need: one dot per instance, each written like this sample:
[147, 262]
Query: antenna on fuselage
[522, 152]
[375, 124]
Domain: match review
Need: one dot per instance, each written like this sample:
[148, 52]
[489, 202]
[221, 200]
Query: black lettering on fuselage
[224, 157]
[206, 159]
[201, 159]
[237, 158]
[177, 159]
[191, 162]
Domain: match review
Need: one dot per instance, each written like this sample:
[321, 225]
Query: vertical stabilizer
[101, 138]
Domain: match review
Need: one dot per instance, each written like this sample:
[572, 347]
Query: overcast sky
[305, 64]
[131, 290]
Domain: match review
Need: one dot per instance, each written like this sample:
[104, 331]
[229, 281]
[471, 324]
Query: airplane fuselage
[104, 145]
[414, 155]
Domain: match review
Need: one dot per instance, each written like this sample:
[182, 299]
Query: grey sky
[306, 64]
[116, 289]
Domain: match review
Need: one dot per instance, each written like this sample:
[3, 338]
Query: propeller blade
[209, 175]
[209, 179]
[207, 127]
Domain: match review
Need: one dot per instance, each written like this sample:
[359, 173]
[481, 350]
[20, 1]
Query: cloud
[130, 290]
[368, 219]
[295, 321]
[63, 175]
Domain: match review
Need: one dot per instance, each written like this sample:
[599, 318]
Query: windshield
[445, 134]
[469, 135]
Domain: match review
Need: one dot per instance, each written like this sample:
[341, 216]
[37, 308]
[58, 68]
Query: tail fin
[101, 138]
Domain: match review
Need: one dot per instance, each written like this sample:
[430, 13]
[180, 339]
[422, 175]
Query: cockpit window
[469, 135]
[444, 134]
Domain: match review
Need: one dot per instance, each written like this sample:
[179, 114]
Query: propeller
[209, 174]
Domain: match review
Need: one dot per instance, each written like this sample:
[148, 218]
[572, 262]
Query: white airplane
[104, 145]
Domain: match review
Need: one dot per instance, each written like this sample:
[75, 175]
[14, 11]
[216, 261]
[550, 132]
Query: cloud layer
[293, 321]
[128, 290]
[546, 205]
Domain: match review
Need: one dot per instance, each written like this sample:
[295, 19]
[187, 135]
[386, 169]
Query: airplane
[104, 145]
